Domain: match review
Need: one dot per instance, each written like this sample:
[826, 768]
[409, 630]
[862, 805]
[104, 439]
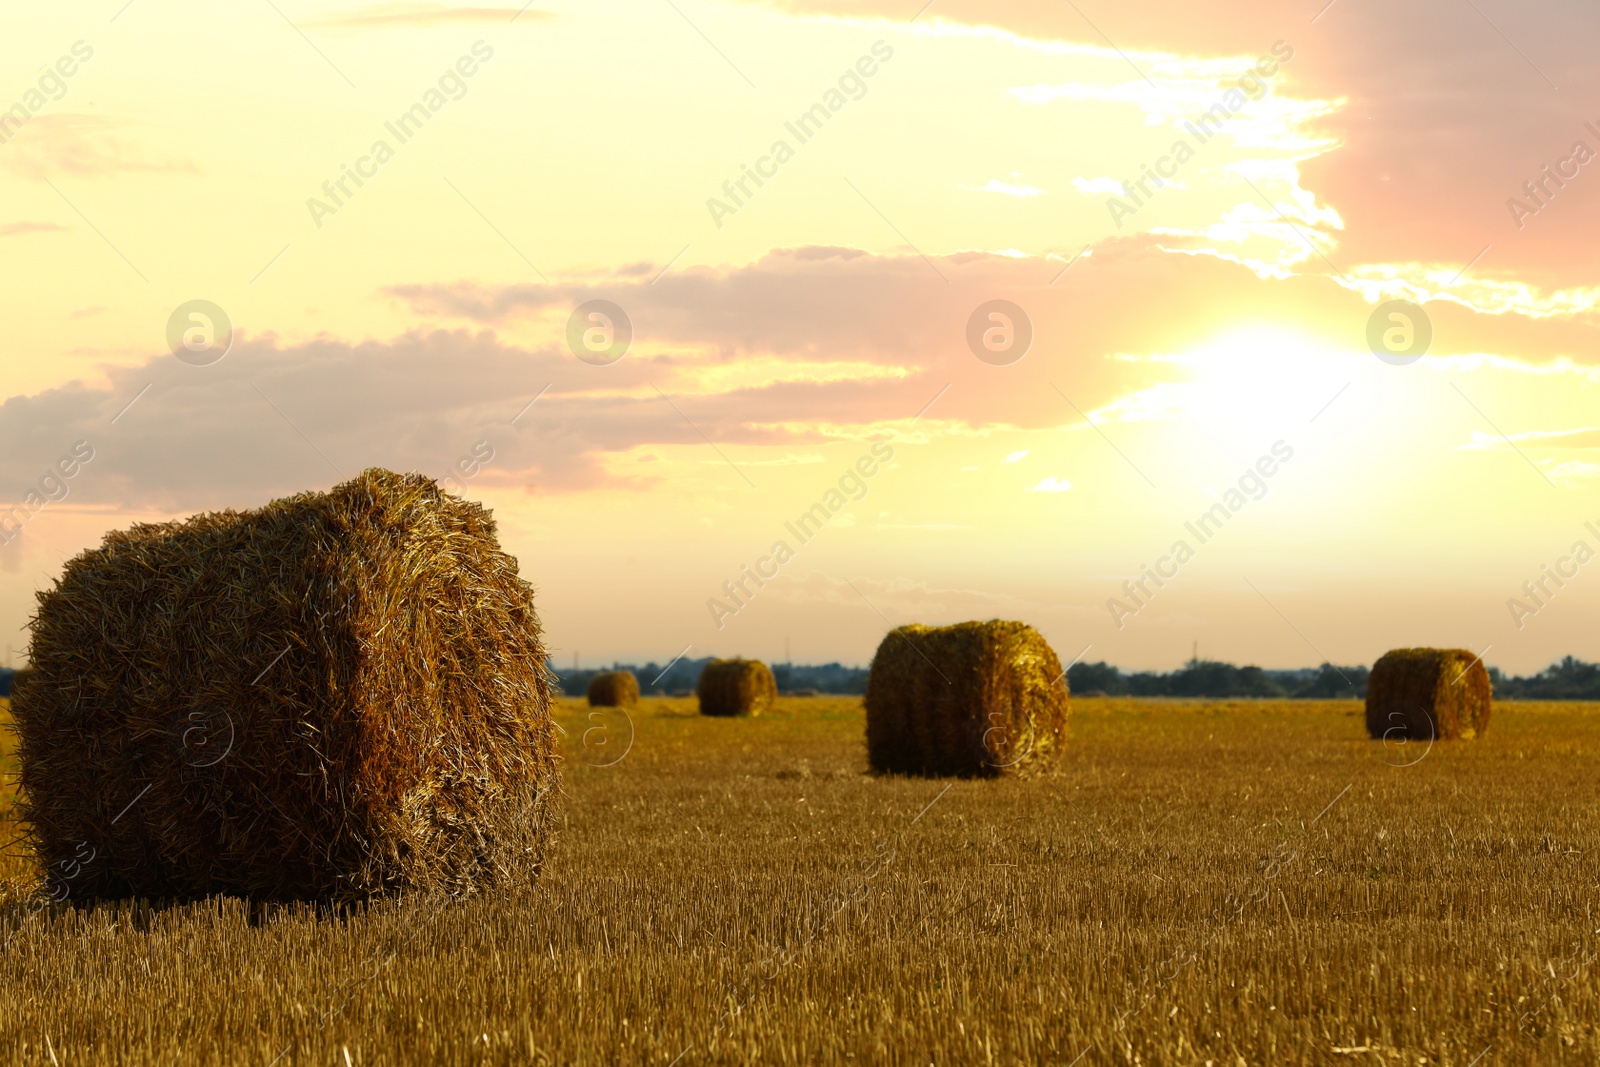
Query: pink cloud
[83, 146]
[1450, 109]
[17, 229]
[272, 417]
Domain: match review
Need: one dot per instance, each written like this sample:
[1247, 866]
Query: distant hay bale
[977, 699]
[337, 696]
[1428, 693]
[736, 687]
[613, 689]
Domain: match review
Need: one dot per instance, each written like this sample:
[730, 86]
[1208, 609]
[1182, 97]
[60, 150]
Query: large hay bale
[977, 699]
[736, 687]
[613, 689]
[1428, 693]
[336, 696]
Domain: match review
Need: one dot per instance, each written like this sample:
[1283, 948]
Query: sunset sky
[1441, 153]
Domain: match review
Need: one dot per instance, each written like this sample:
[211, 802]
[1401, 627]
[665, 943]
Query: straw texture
[613, 689]
[978, 699]
[1428, 693]
[336, 696]
[736, 687]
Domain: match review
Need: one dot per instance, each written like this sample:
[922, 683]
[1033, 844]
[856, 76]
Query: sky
[1267, 330]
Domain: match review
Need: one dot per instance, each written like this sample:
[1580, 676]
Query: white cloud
[997, 186]
[1583, 437]
[1051, 484]
[1574, 471]
[1013, 457]
[1096, 186]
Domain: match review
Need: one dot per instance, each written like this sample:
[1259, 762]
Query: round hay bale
[1428, 693]
[613, 689]
[736, 687]
[978, 699]
[337, 696]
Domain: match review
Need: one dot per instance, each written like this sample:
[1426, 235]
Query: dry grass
[743, 889]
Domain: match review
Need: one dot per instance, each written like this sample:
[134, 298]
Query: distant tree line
[1209, 678]
[824, 678]
[685, 673]
[1570, 679]
[654, 678]
[1196, 679]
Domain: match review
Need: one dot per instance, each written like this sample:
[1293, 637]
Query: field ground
[733, 891]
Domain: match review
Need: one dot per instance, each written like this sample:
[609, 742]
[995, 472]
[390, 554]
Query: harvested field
[1244, 882]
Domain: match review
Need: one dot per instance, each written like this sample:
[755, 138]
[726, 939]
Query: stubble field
[1205, 882]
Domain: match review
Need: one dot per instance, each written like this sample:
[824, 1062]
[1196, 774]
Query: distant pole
[574, 659]
[1196, 652]
[786, 657]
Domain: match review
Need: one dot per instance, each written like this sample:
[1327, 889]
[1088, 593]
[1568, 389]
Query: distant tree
[824, 678]
[1332, 683]
[1096, 678]
[1210, 678]
[1570, 679]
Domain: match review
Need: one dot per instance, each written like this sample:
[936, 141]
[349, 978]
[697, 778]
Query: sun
[1238, 383]
[1253, 376]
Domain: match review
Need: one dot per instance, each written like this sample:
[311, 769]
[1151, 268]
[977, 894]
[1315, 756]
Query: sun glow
[1242, 379]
